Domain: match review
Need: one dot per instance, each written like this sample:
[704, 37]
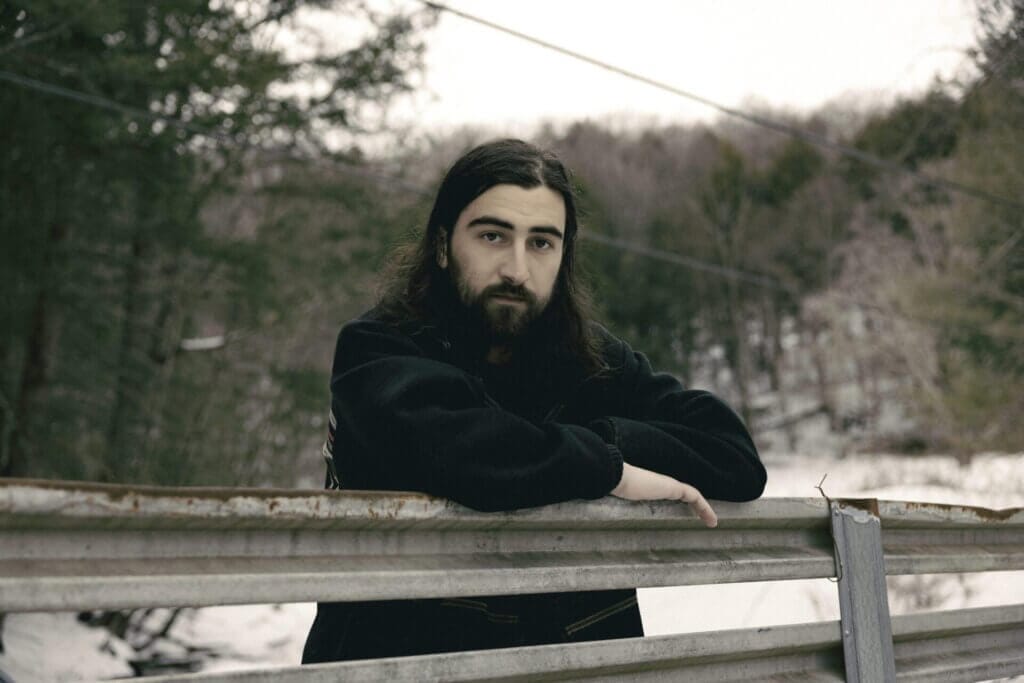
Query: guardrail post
[863, 599]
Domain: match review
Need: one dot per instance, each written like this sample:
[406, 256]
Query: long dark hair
[416, 288]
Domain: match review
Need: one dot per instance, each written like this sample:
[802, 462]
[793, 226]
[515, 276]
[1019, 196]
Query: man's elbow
[756, 489]
[750, 485]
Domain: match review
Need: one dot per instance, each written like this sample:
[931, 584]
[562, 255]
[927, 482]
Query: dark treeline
[123, 238]
[171, 299]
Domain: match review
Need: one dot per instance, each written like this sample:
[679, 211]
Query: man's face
[505, 252]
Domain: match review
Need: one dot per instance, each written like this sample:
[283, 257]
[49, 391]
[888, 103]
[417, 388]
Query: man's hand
[640, 484]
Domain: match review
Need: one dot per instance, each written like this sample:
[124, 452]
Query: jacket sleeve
[689, 435]
[407, 422]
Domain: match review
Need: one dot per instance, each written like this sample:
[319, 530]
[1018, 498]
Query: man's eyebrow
[501, 223]
[547, 230]
[491, 220]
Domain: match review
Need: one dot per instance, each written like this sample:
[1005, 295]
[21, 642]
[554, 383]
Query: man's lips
[509, 297]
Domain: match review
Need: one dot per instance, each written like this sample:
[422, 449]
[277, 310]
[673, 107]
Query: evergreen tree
[105, 256]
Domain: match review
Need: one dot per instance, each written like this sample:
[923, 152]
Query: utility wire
[359, 171]
[378, 177]
[413, 188]
[686, 261]
[221, 136]
[111, 105]
[756, 119]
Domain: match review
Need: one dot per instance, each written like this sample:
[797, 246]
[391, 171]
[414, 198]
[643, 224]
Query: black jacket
[416, 408]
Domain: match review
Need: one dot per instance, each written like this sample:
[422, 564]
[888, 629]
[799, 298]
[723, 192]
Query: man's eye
[490, 236]
[543, 244]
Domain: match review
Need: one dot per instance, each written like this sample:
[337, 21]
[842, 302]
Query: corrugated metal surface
[69, 546]
[803, 652]
[863, 603]
[87, 546]
[961, 645]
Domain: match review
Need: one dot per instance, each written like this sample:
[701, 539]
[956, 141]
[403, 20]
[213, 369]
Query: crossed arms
[408, 420]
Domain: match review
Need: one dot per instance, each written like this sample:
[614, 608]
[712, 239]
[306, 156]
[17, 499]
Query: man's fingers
[700, 505]
[640, 484]
[706, 513]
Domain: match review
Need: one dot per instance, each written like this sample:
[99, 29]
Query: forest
[185, 223]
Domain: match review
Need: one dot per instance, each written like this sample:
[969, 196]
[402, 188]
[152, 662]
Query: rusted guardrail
[74, 546]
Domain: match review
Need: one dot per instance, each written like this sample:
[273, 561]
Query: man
[480, 377]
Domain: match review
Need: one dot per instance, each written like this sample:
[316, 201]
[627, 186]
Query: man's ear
[442, 248]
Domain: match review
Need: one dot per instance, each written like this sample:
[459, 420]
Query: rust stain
[869, 505]
[392, 508]
[119, 492]
[986, 514]
[137, 494]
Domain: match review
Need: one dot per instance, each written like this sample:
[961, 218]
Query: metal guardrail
[75, 546]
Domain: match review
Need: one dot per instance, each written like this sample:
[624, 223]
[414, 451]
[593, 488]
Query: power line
[221, 136]
[402, 183]
[111, 105]
[413, 188]
[685, 261]
[756, 119]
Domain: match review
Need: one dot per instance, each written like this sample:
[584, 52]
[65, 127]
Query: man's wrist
[606, 429]
[618, 466]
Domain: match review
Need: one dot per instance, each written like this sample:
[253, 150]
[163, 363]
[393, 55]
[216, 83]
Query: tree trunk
[776, 361]
[120, 461]
[822, 379]
[737, 351]
[36, 370]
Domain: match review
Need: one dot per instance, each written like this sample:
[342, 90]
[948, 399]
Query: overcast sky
[796, 54]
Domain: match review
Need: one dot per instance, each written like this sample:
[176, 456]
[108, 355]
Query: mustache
[510, 291]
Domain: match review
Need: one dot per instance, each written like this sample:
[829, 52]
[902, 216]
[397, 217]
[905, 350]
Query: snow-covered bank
[990, 480]
[56, 647]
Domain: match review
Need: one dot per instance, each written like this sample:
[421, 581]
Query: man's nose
[514, 269]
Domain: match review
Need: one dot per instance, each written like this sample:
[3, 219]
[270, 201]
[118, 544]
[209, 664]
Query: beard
[499, 321]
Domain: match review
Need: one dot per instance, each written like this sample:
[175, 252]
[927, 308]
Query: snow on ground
[56, 647]
[991, 480]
